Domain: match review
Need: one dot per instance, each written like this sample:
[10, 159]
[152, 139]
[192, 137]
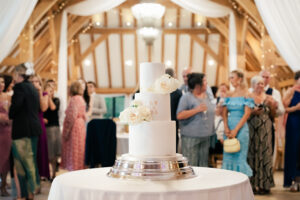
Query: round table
[209, 184]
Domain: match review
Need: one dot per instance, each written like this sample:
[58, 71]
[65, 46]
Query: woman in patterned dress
[260, 143]
[74, 130]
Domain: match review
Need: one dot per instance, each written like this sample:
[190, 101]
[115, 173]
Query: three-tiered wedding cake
[152, 134]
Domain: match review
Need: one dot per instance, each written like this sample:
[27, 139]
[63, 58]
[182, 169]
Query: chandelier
[148, 14]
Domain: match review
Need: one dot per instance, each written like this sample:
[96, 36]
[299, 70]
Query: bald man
[185, 88]
[266, 75]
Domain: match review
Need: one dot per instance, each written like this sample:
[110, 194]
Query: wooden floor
[277, 193]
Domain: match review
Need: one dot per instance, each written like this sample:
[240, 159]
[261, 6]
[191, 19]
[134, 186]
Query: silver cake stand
[158, 168]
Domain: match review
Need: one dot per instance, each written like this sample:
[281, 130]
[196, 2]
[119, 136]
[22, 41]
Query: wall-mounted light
[87, 62]
[169, 63]
[211, 62]
[128, 63]
[97, 19]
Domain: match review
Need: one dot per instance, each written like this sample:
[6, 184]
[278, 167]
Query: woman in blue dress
[236, 111]
[291, 102]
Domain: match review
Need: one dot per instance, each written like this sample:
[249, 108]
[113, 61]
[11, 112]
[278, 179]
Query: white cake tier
[155, 138]
[159, 104]
[149, 72]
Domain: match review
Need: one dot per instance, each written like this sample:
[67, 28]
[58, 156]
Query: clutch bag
[231, 145]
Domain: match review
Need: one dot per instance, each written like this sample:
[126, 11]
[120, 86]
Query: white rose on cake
[136, 113]
[164, 85]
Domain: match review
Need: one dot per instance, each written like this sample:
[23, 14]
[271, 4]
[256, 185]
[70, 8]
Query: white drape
[282, 20]
[210, 9]
[85, 8]
[13, 17]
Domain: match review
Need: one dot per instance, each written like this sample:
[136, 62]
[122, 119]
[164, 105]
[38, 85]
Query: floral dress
[74, 134]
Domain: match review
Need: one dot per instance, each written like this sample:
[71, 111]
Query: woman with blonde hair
[74, 130]
[236, 110]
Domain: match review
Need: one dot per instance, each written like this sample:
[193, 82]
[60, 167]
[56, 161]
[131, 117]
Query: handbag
[231, 145]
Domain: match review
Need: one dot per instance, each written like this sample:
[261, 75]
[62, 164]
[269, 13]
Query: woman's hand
[201, 108]
[227, 131]
[297, 106]
[257, 111]
[233, 133]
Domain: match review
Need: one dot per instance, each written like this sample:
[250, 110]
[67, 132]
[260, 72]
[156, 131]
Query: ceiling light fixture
[147, 15]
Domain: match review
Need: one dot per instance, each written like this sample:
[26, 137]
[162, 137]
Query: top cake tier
[149, 72]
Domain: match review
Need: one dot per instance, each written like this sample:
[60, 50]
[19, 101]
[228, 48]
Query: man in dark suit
[175, 97]
[26, 128]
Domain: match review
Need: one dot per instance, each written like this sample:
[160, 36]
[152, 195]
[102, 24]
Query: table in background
[94, 184]
[122, 143]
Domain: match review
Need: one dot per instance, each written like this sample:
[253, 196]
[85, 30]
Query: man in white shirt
[266, 75]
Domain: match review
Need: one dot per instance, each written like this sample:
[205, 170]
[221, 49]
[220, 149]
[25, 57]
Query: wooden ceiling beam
[78, 58]
[136, 58]
[250, 74]
[53, 38]
[75, 27]
[286, 83]
[95, 62]
[166, 3]
[222, 2]
[10, 61]
[48, 75]
[255, 46]
[221, 26]
[251, 9]
[206, 47]
[93, 46]
[177, 41]
[204, 55]
[115, 90]
[165, 31]
[108, 63]
[122, 49]
[41, 9]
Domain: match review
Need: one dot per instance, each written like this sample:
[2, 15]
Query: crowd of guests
[30, 136]
[31, 140]
[247, 114]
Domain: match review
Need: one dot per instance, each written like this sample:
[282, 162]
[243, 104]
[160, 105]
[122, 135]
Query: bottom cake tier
[155, 168]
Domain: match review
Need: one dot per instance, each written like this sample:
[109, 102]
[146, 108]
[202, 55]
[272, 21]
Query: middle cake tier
[159, 104]
[153, 139]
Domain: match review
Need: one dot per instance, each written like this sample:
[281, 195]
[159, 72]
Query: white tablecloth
[209, 184]
[122, 143]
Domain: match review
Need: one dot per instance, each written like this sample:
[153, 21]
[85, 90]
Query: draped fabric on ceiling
[281, 19]
[210, 9]
[13, 17]
[85, 8]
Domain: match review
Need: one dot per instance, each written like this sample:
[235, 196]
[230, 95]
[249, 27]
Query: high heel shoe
[294, 187]
[4, 192]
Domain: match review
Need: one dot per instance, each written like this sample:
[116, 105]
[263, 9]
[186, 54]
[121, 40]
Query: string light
[241, 12]
[61, 6]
